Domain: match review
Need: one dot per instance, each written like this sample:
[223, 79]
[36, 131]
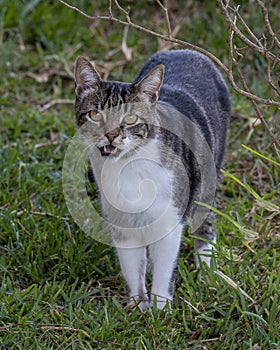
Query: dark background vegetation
[59, 289]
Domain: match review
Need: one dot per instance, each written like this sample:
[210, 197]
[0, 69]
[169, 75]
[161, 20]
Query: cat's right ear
[150, 85]
[85, 73]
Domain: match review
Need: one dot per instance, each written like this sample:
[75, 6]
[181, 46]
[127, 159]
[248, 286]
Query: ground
[59, 288]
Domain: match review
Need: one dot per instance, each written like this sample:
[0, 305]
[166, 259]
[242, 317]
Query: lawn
[59, 288]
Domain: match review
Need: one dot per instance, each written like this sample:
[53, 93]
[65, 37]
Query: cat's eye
[95, 116]
[130, 119]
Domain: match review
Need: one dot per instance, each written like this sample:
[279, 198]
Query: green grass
[59, 289]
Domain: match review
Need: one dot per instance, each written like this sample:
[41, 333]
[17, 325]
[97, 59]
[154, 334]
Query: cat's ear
[151, 83]
[85, 73]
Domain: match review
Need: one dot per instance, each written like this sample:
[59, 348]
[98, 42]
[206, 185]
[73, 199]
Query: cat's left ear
[150, 85]
[85, 73]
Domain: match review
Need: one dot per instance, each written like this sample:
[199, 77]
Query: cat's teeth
[110, 149]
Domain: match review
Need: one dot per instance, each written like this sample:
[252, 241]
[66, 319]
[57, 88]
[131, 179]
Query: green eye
[130, 119]
[95, 116]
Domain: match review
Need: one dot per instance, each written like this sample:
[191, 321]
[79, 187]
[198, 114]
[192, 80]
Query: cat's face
[116, 130]
[114, 116]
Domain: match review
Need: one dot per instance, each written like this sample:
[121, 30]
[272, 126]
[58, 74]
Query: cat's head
[114, 115]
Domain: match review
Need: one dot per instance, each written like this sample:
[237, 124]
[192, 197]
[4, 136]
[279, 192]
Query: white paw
[142, 304]
[204, 255]
[159, 302]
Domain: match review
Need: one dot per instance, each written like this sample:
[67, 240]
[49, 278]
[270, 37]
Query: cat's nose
[111, 135]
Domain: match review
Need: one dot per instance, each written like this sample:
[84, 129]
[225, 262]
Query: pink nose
[111, 135]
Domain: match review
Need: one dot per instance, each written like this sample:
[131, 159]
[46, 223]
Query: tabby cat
[156, 147]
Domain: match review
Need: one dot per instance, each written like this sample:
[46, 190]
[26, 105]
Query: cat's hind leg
[204, 243]
[133, 263]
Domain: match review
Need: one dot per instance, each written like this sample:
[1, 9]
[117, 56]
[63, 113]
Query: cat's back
[195, 87]
[184, 69]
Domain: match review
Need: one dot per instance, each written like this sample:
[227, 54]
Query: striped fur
[183, 92]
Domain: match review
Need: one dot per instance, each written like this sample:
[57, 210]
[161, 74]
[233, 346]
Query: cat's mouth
[108, 150]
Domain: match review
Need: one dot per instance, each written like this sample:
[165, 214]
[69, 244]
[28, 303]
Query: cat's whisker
[168, 127]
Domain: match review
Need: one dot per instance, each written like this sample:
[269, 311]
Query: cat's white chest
[136, 184]
[136, 192]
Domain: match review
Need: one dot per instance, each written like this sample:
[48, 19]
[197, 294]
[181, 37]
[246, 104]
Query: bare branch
[125, 49]
[270, 81]
[246, 27]
[110, 8]
[232, 70]
[233, 29]
[183, 44]
[55, 102]
[126, 13]
[267, 23]
[167, 20]
[256, 47]
[234, 64]
[257, 110]
[150, 32]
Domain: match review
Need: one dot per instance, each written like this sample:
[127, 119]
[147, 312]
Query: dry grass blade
[56, 102]
[234, 285]
[125, 49]
[65, 328]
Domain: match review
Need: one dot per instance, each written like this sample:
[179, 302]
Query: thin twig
[167, 20]
[125, 49]
[270, 81]
[183, 44]
[252, 42]
[48, 215]
[233, 63]
[24, 228]
[150, 32]
[256, 108]
[190, 305]
[258, 48]
[110, 8]
[267, 23]
[125, 12]
[246, 27]
[47, 143]
[212, 340]
[56, 102]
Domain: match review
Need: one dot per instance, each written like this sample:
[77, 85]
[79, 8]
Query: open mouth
[108, 150]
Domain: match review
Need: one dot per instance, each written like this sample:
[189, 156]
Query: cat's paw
[160, 302]
[204, 255]
[142, 304]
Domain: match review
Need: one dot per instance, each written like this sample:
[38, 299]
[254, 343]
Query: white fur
[163, 254]
[136, 194]
[204, 254]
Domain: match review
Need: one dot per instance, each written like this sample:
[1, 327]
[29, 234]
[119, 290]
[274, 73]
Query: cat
[156, 144]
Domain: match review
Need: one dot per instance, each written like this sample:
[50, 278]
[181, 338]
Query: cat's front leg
[133, 263]
[163, 255]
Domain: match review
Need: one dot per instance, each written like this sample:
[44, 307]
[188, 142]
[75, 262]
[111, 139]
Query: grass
[59, 289]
